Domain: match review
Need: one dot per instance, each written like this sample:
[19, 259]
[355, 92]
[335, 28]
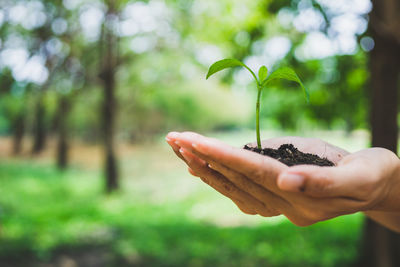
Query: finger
[172, 136]
[341, 181]
[177, 150]
[274, 204]
[191, 159]
[174, 146]
[322, 209]
[262, 170]
[221, 184]
[192, 172]
[242, 206]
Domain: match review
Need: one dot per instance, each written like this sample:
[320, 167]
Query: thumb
[321, 181]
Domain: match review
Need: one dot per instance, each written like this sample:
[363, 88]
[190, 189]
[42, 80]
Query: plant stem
[258, 117]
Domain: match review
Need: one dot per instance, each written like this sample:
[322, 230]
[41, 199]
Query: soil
[290, 155]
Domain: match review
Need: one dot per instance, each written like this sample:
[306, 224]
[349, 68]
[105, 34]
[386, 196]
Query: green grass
[44, 212]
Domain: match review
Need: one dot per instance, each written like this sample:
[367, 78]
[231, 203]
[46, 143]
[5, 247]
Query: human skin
[366, 181]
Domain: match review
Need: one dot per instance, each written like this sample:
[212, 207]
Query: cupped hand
[363, 181]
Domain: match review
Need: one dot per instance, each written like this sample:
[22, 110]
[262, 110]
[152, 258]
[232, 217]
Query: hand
[363, 181]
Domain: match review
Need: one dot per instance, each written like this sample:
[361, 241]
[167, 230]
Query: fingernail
[291, 182]
[210, 166]
[167, 139]
[184, 154]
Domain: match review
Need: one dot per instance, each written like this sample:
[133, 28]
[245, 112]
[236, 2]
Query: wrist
[391, 186]
[386, 209]
[394, 193]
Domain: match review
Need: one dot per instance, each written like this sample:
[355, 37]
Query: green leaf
[262, 73]
[224, 64]
[286, 74]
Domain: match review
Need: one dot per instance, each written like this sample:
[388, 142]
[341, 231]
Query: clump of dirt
[288, 154]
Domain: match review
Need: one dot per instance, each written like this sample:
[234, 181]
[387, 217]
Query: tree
[14, 107]
[62, 130]
[381, 246]
[108, 66]
[39, 128]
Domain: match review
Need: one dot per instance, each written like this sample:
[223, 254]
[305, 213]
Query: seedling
[262, 81]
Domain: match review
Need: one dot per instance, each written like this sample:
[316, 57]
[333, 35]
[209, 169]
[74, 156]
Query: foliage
[160, 58]
[154, 101]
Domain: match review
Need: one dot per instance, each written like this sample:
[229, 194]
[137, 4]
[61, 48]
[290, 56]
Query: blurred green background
[89, 88]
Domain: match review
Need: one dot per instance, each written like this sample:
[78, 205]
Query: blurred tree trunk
[62, 131]
[18, 132]
[381, 246]
[39, 129]
[109, 54]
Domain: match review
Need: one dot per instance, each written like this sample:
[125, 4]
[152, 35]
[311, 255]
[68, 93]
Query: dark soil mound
[290, 155]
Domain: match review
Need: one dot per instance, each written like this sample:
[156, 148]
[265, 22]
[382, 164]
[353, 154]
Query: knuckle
[243, 184]
[246, 210]
[267, 211]
[227, 187]
[303, 223]
[300, 221]
[194, 174]
[237, 179]
[243, 208]
[316, 215]
[205, 180]
[257, 174]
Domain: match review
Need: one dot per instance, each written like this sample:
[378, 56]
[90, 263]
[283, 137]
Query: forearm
[388, 212]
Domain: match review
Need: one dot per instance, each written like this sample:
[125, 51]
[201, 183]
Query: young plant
[262, 81]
